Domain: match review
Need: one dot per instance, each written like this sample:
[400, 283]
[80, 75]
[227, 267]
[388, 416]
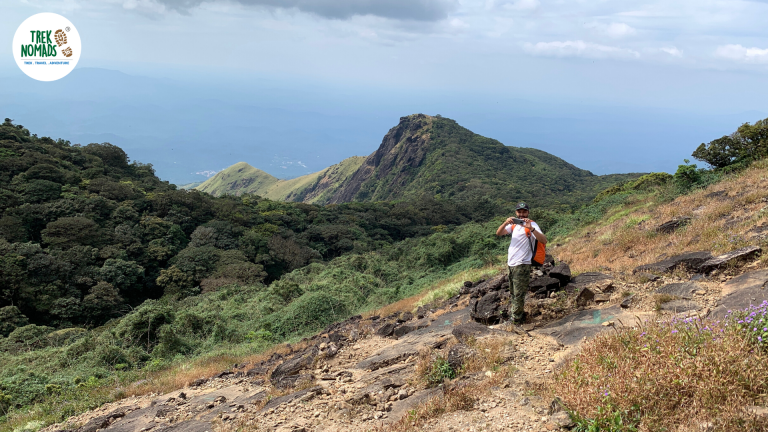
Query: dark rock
[471, 330]
[458, 355]
[468, 284]
[671, 226]
[682, 290]
[627, 302]
[488, 309]
[295, 364]
[222, 374]
[585, 296]
[405, 316]
[336, 337]
[407, 328]
[731, 257]
[421, 312]
[101, 422]
[199, 382]
[689, 260]
[561, 272]
[548, 283]
[386, 329]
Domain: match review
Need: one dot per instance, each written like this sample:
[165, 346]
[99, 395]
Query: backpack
[538, 250]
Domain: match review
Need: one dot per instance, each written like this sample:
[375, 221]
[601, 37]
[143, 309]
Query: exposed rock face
[690, 260]
[684, 290]
[671, 226]
[733, 256]
[548, 283]
[585, 296]
[295, 364]
[403, 148]
[470, 330]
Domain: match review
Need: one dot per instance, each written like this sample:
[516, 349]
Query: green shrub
[310, 312]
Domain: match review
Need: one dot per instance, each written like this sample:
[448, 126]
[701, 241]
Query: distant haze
[293, 87]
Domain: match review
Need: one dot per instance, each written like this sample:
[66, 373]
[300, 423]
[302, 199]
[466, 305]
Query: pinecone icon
[60, 37]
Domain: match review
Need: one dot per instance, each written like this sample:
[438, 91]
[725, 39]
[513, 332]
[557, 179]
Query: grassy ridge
[242, 178]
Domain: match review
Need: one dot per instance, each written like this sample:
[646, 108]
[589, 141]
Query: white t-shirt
[519, 249]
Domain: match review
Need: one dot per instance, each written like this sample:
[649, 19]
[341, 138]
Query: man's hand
[527, 223]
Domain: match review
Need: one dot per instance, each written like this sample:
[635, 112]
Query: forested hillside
[85, 234]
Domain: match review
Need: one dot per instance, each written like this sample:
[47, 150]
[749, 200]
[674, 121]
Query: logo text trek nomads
[46, 47]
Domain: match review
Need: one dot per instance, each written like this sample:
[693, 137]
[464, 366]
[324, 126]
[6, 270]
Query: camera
[517, 221]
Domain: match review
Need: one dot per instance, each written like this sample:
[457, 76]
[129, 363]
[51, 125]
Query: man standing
[519, 258]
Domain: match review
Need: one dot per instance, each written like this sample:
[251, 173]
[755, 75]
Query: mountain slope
[434, 156]
[242, 178]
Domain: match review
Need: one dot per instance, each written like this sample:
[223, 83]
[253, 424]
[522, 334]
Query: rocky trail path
[367, 373]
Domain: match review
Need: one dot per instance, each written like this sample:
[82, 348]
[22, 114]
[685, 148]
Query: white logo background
[47, 68]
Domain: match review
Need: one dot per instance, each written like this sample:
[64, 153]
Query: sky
[293, 86]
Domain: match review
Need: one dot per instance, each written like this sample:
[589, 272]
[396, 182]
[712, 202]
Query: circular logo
[46, 47]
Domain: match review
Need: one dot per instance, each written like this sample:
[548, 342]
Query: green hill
[242, 178]
[434, 156]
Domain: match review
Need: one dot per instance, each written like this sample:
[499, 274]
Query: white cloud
[673, 51]
[458, 24]
[614, 30]
[525, 5]
[578, 48]
[743, 54]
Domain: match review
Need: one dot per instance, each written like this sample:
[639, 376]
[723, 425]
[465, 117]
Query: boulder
[627, 302]
[671, 226]
[548, 283]
[689, 260]
[386, 330]
[488, 309]
[731, 257]
[295, 364]
[561, 272]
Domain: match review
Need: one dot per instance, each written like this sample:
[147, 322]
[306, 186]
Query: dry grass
[660, 299]
[626, 239]
[669, 376]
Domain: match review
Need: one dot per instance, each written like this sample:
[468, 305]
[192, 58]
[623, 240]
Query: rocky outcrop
[673, 225]
[689, 260]
[403, 148]
[730, 258]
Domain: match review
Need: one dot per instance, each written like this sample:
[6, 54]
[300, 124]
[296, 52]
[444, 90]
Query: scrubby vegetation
[664, 376]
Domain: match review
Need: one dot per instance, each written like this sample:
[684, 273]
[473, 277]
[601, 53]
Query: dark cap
[522, 206]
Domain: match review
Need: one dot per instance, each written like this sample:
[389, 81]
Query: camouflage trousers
[519, 280]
